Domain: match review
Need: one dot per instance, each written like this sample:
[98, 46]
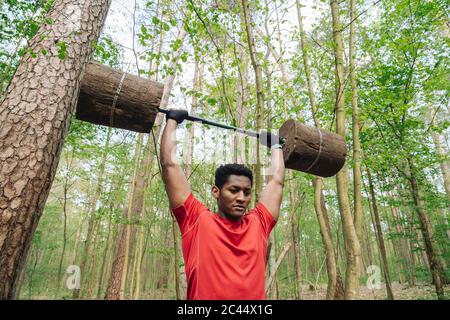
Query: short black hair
[226, 170]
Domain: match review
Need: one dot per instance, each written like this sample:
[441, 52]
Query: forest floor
[400, 292]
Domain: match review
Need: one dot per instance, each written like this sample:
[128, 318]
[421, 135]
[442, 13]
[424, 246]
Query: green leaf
[155, 20]
[62, 49]
[212, 101]
[166, 27]
[143, 29]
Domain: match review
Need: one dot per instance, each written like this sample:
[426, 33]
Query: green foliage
[19, 22]
[402, 67]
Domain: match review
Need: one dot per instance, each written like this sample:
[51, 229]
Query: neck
[227, 216]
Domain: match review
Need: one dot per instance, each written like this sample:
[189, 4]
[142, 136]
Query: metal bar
[219, 125]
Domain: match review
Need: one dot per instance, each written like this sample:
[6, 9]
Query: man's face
[234, 197]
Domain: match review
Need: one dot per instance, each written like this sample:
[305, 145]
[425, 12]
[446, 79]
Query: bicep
[176, 184]
[271, 197]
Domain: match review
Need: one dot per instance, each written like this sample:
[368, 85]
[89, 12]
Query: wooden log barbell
[112, 98]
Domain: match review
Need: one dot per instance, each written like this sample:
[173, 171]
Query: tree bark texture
[35, 114]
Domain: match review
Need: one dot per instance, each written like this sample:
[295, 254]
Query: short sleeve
[265, 217]
[188, 212]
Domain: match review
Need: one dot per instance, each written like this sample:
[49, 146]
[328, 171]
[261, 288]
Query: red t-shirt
[224, 259]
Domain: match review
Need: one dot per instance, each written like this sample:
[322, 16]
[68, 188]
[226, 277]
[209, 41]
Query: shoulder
[262, 214]
[261, 210]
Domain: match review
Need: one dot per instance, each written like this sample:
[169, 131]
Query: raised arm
[272, 193]
[176, 184]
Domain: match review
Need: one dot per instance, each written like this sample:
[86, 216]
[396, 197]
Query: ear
[215, 191]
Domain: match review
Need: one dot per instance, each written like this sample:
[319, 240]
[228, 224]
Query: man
[224, 253]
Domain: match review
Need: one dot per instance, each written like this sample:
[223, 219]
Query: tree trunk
[91, 214]
[270, 281]
[65, 190]
[130, 212]
[352, 245]
[259, 91]
[436, 267]
[326, 239]
[357, 215]
[295, 236]
[176, 259]
[407, 261]
[380, 238]
[259, 121]
[35, 114]
[115, 278]
[145, 170]
[104, 259]
[441, 152]
[116, 99]
[239, 148]
[190, 142]
[91, 267]
[319, 201]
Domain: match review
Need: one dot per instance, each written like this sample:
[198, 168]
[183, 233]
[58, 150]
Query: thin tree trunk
[353, 249]
[241, 112]
[176, 259]
[381, 244]
[319, 201]
[115, 277]
[35, 114]
[441, 152]
[190, 142]
[259, 91]
[65, 188]
[91, 267]
[436, 267]
[145, 169]
[407, 261]
[295, 236]
[326, 239]
[357, 215]
[91, 214]
[104, 259]
[259, 120]
[272, 276]
[129, 217]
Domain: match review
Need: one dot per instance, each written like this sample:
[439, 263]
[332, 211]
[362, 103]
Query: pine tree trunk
[115, 277]
[35, 114]
[352, 246]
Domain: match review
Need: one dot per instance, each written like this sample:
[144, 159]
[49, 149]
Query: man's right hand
[179, 115]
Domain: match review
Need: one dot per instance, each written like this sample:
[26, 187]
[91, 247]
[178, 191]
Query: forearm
[168, 146]
[175, 182]
[276, 169]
